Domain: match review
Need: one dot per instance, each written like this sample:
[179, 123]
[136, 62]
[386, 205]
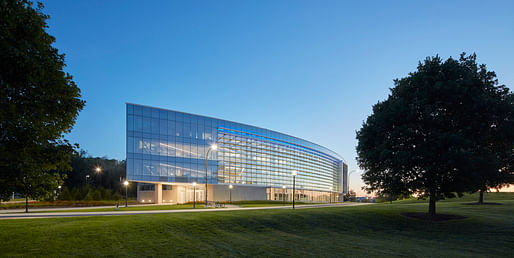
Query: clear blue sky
[311, 69]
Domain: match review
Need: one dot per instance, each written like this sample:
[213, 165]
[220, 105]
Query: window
[178, 129]
[163, 125]
[146, 187]
[155, 126]
[130, 144]
[138, 124]
[163, 114]
[147, 112]
[147, 125]
[130, 123]
[137, 167]
[171, 128]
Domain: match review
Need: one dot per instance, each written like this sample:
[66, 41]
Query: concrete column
[158, 193]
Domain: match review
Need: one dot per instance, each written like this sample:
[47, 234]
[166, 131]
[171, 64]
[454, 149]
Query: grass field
[59, 204]
[371, 230]
[122, 208]
[247, 204]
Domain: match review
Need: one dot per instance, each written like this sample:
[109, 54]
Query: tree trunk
[481, 198]
[431, 206]
[26, 204]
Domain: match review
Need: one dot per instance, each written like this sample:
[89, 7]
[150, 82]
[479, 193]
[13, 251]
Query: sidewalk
[77, 208]
[115, 213]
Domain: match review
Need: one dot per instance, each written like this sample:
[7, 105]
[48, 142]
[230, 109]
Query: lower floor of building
[179, 193]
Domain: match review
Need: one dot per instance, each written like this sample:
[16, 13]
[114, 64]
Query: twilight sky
[311, 69]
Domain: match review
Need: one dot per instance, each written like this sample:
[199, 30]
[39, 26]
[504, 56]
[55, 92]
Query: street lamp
[87, 177]
[98, 170]
[126, 183]
[294, 173]
[194, 195]
[213, 147]
[58, 192]
[230, 190]
[348, 181]
[283, 195]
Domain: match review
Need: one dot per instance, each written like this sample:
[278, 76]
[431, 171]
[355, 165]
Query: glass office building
[167, 153]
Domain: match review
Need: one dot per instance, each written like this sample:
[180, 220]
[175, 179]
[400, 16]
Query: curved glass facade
[170, 147]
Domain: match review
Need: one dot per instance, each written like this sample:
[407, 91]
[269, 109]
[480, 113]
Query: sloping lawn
[122, 208]
[371, 230]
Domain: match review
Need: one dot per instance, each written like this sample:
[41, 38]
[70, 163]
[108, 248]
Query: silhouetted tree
[39, 103]
[432, 133]
[350, 196]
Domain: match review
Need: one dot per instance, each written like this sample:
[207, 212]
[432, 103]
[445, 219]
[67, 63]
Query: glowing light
[194, 183]
[294, 173]
[98, 169]
[230, 186]
[214, 147]
[126, 183]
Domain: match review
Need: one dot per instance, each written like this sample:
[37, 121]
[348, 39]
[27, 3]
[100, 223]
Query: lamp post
[212, 147]
[58, 191]
[294, 173]
[194, 195]
[98, 170]
[283, 195]
[126, 192]
[348, 181]
[230, 192]
[87, 177]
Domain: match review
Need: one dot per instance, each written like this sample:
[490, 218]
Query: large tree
[39, 103]
[438, 132]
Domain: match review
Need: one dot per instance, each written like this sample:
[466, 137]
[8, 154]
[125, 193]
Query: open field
[122, 208]
[469, 198]
[60, 204]
[247, 204]
[372, 230]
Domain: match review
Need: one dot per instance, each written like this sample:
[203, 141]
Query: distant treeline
[95, 178]
[89, 193]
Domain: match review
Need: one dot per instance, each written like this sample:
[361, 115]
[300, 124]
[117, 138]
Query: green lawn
[246, 204]
[60, 204]
[371, 230]
[130, 208]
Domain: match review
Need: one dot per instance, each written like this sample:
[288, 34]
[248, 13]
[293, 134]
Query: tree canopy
[39, 103]
[446, 128]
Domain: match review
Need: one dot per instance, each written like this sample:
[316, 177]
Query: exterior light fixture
[283, 195]
[294, 173]
[126, 183]
[230, 191]
[194, 195]
[213, 147]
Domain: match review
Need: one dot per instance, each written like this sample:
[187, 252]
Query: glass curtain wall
[170, 146]
[250, 158]
[167, 146]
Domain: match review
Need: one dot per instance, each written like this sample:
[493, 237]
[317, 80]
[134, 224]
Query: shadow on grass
[433, 218]
[485, 203]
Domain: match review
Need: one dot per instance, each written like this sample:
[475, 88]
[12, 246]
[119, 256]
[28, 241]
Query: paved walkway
[77, 208]
[114, 213]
